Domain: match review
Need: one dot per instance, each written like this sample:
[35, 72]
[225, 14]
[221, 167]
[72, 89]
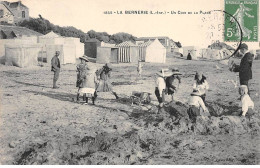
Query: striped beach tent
[142, 50]
[127, 52]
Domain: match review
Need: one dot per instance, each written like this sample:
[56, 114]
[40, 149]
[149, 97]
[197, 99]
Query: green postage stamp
[241, 16]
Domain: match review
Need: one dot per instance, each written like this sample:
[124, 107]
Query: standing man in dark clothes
[245, 67]
[55, 67]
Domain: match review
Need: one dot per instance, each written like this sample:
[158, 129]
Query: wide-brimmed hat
[165, 73]
[176, 71]
[195, 93]
[84, 57]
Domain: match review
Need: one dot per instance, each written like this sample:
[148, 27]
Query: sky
[87, 15]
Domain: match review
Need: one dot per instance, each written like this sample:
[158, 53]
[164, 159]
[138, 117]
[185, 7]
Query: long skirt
[104, 86]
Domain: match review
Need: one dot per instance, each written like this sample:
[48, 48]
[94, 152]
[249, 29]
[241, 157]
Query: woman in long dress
[104, 84]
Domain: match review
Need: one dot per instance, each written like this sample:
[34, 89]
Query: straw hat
[84, 57]
[195, 93]
[176, 71]
[165, 73]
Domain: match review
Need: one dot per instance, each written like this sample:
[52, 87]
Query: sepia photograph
[129, 82]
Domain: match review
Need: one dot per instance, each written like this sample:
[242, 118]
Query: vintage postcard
[119, 82]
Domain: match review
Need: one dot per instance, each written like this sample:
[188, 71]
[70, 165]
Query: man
[55, 67]
[245, 67]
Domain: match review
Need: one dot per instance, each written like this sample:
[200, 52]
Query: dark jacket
[169, 84]
[55, 63]
[245, 68]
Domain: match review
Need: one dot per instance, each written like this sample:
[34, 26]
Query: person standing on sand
[160, 86]
[201, 85]
[139, 68]
[105, 85]
[82, 75]
[189, 57]
[195, 104]
[55, 67]
[245, 67]
[170, 88]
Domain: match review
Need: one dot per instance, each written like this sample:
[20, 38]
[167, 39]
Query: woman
[195, 104]
[170, 88]
[201, 85]
[161, 85]
[246, 101]
[81, 75]
[105, 85]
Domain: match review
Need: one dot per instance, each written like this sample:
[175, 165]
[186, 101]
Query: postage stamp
[243, 17]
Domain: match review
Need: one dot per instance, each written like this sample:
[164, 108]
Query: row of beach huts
[27, 50]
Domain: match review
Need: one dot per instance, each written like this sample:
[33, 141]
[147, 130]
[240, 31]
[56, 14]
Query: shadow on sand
[30, 84]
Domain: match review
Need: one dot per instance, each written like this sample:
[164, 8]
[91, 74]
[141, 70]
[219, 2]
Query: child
[171, 89]
[201, 85]
[246, 101]
[81, 75]
[91, 80]
[161, 85]
[195, 104]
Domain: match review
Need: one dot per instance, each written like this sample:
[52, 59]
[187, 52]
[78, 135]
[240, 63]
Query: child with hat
[201, 85]
[246, 101]
[81, 75]
[195, 104]
[170, 88]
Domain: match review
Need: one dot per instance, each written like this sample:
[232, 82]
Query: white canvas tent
[155, 52]
[22, 55]
[69, 47]
[22, 40]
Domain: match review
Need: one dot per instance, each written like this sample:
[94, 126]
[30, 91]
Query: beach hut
[142, 50]
[91, 47]
[70, 47]
[107, 54]
[22, 55]
[152, 51]
[127, 52]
